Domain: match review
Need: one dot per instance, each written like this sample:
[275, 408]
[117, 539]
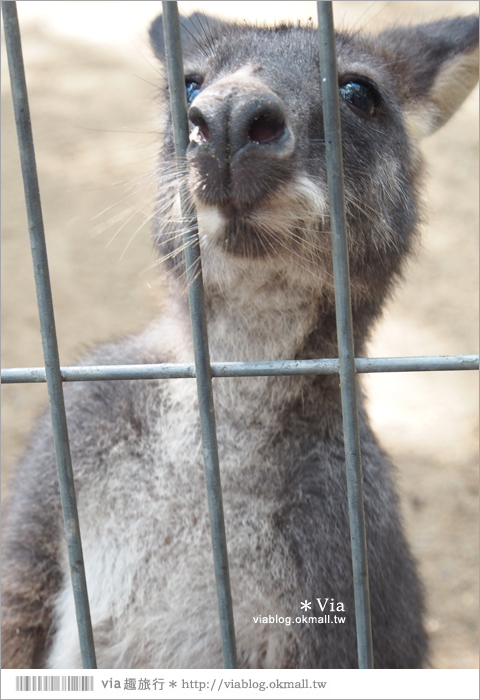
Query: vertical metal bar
[178, 101]
[47, 326]
[333, 145]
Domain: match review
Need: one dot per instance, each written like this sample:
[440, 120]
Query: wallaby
[256, 173]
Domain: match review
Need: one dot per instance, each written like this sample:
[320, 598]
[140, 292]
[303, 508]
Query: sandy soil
[92, 89]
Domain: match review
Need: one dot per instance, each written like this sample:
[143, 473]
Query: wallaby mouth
[233, 207]
[289, 220]
[238, 229]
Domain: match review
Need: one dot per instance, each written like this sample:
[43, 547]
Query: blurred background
[93, 96]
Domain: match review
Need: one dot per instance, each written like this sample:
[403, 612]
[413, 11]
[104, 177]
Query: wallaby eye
[362, 97]
[192, 88]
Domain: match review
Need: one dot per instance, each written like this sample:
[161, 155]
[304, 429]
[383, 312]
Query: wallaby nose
[239, 144]
[256, 119]
[237, 122]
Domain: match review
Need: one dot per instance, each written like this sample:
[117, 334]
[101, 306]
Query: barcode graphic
[51, 683]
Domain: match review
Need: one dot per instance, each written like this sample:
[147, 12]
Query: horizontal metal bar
[363, 365]
[428, 363]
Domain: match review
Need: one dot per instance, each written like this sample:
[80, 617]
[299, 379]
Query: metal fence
[347, 366]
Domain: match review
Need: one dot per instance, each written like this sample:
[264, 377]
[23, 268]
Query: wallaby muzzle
[240, 145]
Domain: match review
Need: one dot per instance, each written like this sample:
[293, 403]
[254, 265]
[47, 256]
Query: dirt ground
[92, 88]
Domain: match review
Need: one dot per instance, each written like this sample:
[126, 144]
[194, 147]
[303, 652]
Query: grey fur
[267, 264]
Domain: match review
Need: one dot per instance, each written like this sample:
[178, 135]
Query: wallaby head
[256, 173]
[256, 165]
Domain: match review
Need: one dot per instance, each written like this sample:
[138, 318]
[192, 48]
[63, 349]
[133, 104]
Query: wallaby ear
[196, 32]
[436, 66]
